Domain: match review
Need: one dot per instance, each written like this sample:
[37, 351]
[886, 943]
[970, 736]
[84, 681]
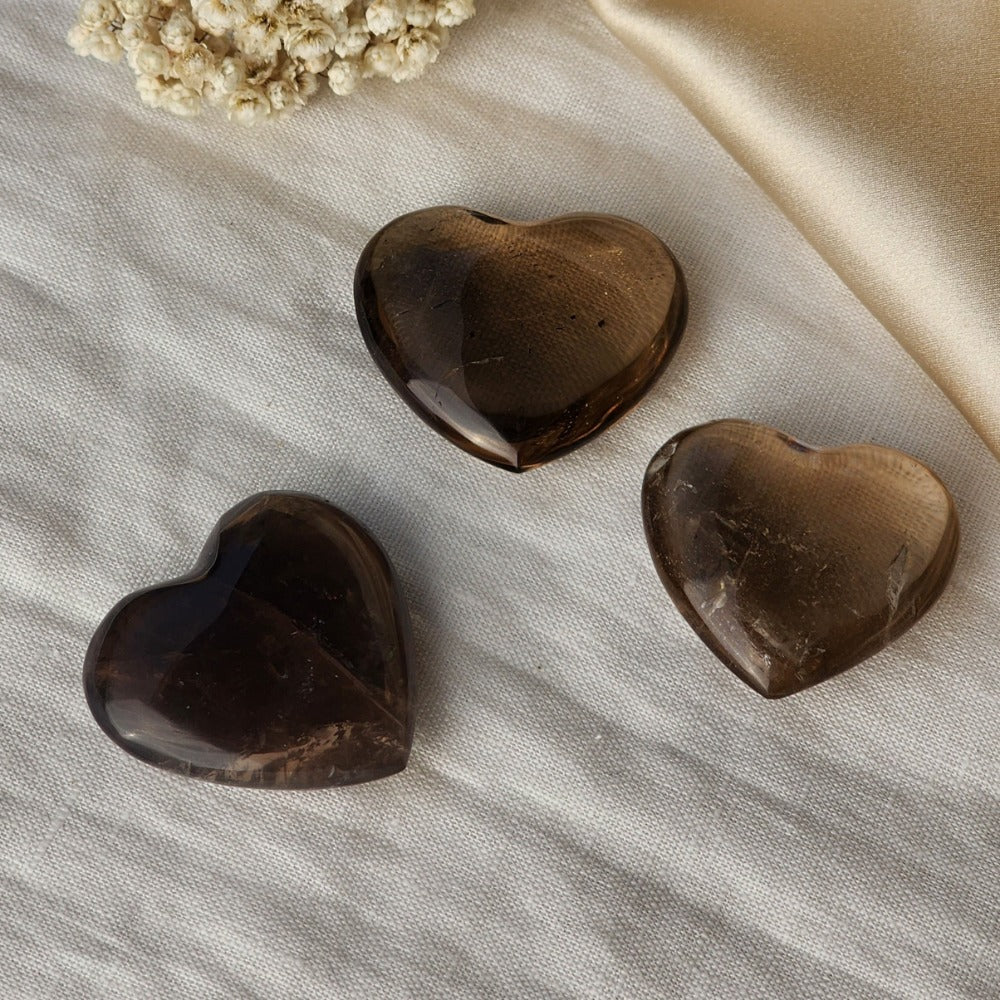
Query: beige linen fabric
[595, 808]
[875, 125]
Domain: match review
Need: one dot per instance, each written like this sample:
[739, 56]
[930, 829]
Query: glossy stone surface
[281, 660]
[794, 563]
[519, 341]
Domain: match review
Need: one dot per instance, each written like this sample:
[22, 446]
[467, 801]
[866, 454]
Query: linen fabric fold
[875, 125]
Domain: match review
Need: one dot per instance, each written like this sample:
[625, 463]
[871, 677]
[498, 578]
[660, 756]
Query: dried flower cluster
[262, 58]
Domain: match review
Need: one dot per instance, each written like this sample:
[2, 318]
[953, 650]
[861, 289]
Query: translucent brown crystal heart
[282, 660]
[519, 341]
[794, 563]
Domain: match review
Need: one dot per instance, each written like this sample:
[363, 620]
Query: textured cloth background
[595, 807]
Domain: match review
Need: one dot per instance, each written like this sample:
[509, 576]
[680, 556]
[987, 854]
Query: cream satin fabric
[875, 125]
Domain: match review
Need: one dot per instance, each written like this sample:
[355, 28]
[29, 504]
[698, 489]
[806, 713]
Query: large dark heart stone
[519, 341]
[794, 563]
[282, 660]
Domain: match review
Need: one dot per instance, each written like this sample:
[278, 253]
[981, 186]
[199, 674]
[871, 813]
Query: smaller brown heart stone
[519, 341]
[280, 661]
[794, 563]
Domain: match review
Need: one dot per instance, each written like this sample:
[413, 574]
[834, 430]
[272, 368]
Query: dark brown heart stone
[794, 563]
[518, 341]
[282, 660]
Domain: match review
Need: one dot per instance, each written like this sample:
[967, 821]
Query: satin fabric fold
[875, 125]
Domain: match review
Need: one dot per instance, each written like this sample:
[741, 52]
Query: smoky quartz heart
[280, 661]
[519, 341]
[794, 563]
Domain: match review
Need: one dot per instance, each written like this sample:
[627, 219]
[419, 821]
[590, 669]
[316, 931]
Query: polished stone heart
[519, 341]
[794, 563]
[281, 660]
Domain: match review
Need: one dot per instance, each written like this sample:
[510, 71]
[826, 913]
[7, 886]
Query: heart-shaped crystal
[280, 661]
[519, 341]
[794, 563]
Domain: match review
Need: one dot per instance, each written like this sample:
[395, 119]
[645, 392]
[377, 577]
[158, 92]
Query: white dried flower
[421, 13]
[232, 74]
[249, 105]
[303, 80]
[97, 40]
[178, 33]
[386, 16]
[149, 88]
[180, 100]
[97, 13]
[331, 8]
[78, 38]
[344, 76]
[354, 40]
[319, 64]
[194, 66]
[452, 13]
[260, 59]
[260, 38]
[148, 59]
[258, 73]
[104, 46]
[417, 49]
[281, 95]
[381, 59]
[133, 33]
[136, 8]
[219, 16]
[311, 38]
